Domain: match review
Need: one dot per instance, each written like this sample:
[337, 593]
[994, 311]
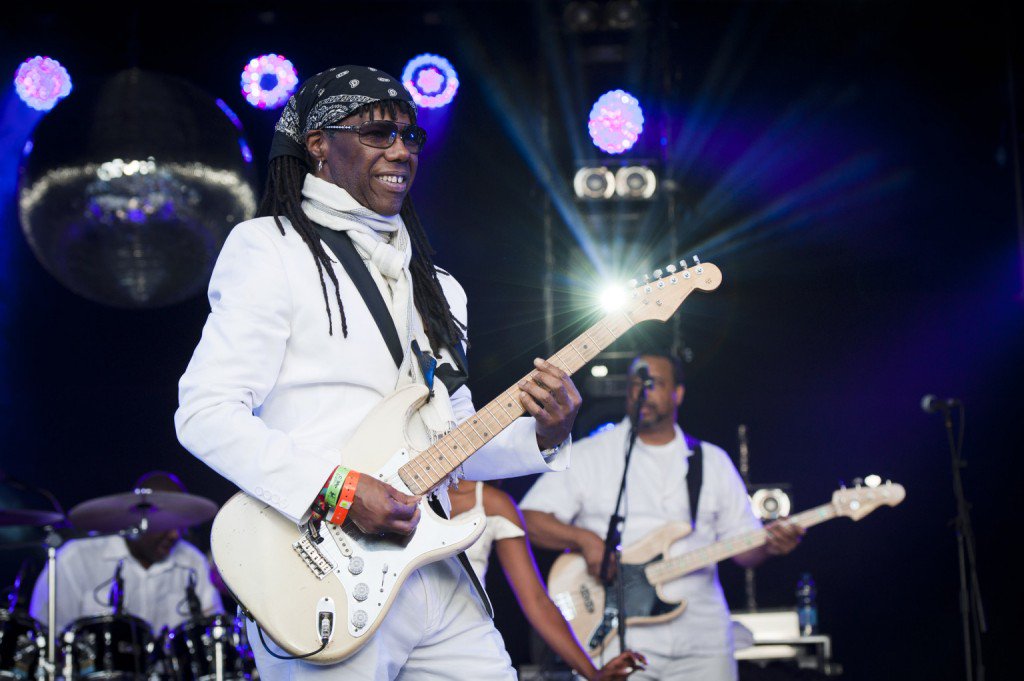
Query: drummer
[156, 570]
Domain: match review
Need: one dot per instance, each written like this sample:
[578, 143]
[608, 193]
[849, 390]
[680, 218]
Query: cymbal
[142, 509]
[27, 516]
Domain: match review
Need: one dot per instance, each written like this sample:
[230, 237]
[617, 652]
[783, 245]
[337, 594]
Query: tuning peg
[858, 482]
[670, 268]
[657, 274]
[696, 260]
[682, 263]
[842, 484]
[633, 283]
[647, 278]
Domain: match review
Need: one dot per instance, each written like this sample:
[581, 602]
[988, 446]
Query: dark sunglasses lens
[380, 134]
[414, 138]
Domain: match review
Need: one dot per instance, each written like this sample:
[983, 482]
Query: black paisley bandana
[328, 97]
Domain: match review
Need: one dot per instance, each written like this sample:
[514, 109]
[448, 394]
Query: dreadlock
[282, 197]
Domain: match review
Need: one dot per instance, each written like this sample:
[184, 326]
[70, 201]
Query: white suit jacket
[269, 396]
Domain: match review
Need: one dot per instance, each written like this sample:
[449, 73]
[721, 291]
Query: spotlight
[635, 182]
[770, 504]
[599, 371]
[623, 14]
[612, 299]
[581, 17]
[41, 82]
[268, 81]
[594, 183]
[616, 121]
[431, 80]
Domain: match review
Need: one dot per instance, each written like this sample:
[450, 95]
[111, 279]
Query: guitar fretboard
[428, 468]
[669, 568]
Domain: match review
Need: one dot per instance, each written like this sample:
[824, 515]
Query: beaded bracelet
[348, 493]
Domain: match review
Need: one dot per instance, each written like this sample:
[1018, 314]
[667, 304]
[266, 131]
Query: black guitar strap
[694, 477]
[343, 249]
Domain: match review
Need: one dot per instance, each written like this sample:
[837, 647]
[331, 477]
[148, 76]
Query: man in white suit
[292, 360]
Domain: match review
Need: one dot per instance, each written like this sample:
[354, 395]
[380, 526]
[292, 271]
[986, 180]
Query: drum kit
[119, 645]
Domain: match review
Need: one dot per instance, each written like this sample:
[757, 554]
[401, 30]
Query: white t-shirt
[85, 568]
[656, 493]
[497, 527]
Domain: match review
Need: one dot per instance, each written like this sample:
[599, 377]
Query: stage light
[431, 80]
[599, 371]
[623, 14]
[594, 183]
[635, 182]
[581, 17]
[770, 504]
[616, 121]
[41, 82]
[268, 81]
[612, 298]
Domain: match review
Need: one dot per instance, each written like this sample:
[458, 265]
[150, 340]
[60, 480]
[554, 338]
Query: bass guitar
[593, 611]
[322, 592]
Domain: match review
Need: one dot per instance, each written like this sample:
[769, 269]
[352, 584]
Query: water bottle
[806, 605]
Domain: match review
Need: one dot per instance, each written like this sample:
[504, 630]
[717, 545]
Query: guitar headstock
[857, 502]
[664, 290]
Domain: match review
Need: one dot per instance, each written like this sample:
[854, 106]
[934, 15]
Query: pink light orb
[431, 80]
[41, 82]
[616, 121]
[268, 81]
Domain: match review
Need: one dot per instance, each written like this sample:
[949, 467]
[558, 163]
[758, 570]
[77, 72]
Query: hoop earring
[320, 165]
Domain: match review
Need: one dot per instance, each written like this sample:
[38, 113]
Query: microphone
[195, 608]
[117, 589]
[931, 404]
[642, 370]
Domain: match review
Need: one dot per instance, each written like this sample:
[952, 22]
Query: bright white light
[873, 480]
[599, 371]
[612, 298]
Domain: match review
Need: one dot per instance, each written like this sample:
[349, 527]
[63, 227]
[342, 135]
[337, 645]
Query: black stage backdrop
[860, 169]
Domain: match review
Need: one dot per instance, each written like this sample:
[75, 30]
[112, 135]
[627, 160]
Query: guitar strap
[694, 476]
[343, 249]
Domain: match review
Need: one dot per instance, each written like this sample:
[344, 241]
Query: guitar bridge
[311, 555]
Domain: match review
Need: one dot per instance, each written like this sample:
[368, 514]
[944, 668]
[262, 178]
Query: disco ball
[128, 194]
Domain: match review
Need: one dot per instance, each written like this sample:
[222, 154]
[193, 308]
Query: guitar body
[592, 611]
[286, 581]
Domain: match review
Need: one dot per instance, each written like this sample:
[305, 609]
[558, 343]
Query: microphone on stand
[931, 404]
[195, 608]
[643, 372]
[117, 589]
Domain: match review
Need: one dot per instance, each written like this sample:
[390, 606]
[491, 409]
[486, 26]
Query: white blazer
[269, 396]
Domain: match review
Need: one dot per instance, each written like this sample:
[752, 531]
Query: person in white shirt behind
[156, 569]
[571, 510]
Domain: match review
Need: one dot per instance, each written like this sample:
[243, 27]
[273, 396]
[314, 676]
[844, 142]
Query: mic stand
[971, 609]
[613, 538]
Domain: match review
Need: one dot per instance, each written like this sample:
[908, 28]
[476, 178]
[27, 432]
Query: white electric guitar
[593, 611]
[324, 600]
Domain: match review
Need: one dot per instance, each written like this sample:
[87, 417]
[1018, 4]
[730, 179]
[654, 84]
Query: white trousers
[436, 629]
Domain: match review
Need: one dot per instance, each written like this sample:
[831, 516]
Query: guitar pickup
[311, 555]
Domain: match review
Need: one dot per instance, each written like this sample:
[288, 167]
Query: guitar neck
[668, 569]
[431, 466]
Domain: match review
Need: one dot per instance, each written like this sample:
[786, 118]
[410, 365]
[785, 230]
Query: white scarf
[383, 243]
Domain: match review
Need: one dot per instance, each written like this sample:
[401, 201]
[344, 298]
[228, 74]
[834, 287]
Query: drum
[194, 648]
[22, 643]
[108, 647]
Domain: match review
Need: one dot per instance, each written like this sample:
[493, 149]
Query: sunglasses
[382, 134]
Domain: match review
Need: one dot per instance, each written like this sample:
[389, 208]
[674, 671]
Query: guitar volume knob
[355, 566]
[361, 591]
[359, 619]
